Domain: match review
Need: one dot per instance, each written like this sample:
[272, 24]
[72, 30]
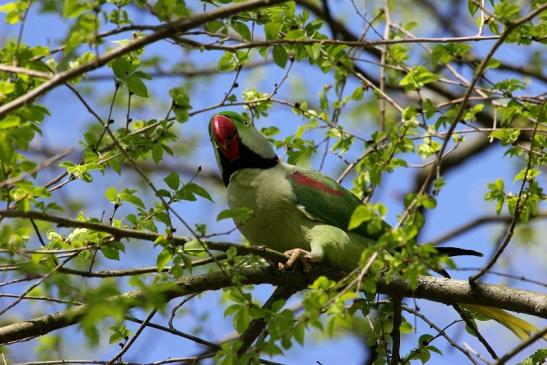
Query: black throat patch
[247, 160]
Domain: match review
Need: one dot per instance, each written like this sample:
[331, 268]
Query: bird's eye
[246, 123]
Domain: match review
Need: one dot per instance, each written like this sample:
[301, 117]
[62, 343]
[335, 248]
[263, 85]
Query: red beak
[224, 131]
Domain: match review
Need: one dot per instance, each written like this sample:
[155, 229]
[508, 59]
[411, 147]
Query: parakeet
[300, 212]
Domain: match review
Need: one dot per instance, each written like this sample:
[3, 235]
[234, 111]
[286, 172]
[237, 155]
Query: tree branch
[257, 325]
[502, 360]
[163, 32]
[441, 332]
[440, 290]
[477, 222]
[519, 206]
[143, 235]
[463, 153]
[396, 332]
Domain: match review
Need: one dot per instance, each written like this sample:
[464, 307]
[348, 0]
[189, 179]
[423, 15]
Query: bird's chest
[275, 222]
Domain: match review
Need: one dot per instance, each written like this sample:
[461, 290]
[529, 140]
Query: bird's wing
[325, 200]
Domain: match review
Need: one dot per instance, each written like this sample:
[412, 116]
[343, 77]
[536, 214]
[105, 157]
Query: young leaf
[111, 194]
[280, 56]
[136, 86]
[172, 180]
[361, 214]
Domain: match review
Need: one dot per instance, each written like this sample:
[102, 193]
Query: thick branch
[257, 325]
[446, 291]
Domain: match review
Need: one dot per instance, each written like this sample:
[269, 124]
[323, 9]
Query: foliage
[375, 104]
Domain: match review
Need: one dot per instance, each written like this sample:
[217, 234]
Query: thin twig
[502, 360]
[441, 331]
[25, 71]
[466, 227]
[28, 290]
[177, 307]
[129, 343]
[42, 165]
[519, 206]
[456, 119]
[162, 33]
[396, 332]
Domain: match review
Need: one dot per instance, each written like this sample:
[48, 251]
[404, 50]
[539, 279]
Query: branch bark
[440, 290]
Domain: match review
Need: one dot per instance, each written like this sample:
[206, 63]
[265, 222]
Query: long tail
[521, 328]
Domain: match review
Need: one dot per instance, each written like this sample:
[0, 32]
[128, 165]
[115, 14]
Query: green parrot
[301, 212]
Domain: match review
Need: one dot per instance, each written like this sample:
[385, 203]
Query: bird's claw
[295, 255]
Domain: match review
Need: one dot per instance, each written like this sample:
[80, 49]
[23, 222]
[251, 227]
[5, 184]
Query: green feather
[333, 204]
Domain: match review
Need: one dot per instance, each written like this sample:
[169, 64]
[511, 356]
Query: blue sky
[460, 201]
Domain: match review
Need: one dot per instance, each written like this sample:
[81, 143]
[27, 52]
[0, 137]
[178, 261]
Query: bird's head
[238, 144]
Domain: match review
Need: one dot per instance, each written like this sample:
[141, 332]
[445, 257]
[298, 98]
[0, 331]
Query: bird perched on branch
[301, 212]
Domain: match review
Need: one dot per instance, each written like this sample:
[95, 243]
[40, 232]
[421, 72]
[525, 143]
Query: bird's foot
[297, 254]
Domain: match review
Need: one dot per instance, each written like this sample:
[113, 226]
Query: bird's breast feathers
[277, 222]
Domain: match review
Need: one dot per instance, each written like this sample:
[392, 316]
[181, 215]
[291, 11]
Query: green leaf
[442, 54]
[172, 180]
[128, 196]
[10, 121]
[14, 11]
[271, 30]
[493, 63]
[6, 88]
[136, 86]
[369, 285]
[506, 136]
[295, 34]
[167, 9]
[472, 6]
[110, 252]
[428, 202]
[537, 358]
[73, 8]
[196, 189]
[506, 11]
[241, 319]
[157, 152]
[214, 26]
[227, 62]
[122, 67]
[181, 103]
[280, 56]
[111, 194]
[163, 259]
[528, 175]
[417, 78]
[510, 85]
[357, 94]
[242, 30]
[119, 334]
[67, 164]
[361, 214]
[194, 247]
